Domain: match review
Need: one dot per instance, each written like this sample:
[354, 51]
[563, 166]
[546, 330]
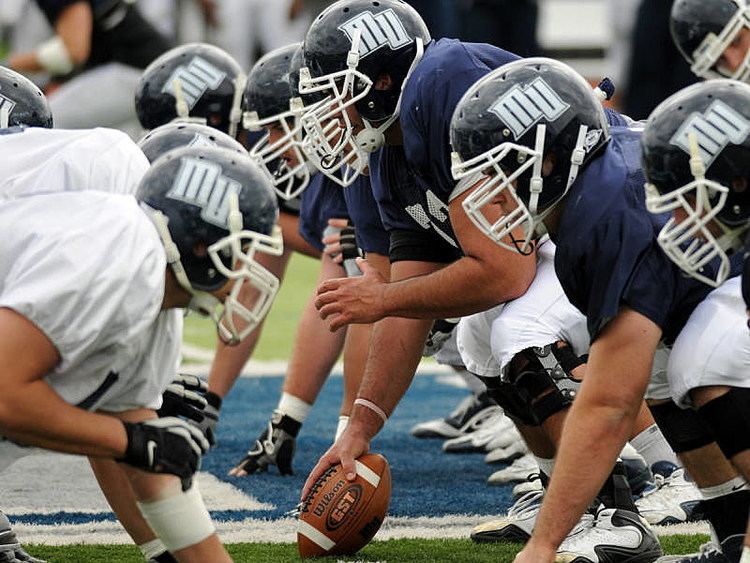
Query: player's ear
[550, 160]
[384, 82]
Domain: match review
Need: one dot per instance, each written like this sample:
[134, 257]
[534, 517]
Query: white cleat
[519, 470]
[494, 431]
[465, 418]
[613, 535]
[516, 526]
[507, 455]
[672, 500]
[527, 486]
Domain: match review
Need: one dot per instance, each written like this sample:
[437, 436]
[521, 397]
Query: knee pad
[537, 384]
[729, 417]
[179, 520]
[683, 429]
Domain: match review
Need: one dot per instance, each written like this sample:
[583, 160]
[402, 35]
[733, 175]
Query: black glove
[166, 445]
[275, 446]
[188, 397]
[184, 397]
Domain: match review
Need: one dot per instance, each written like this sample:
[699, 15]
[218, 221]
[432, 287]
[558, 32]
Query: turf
[281, 324]
[393, 550]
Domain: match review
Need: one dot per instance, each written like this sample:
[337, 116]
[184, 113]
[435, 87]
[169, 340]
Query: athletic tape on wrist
[53, 56]
[373, 407]
[152, 549]
[180, 520]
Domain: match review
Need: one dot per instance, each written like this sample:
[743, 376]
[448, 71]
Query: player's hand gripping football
[275, 446]
[345, 301]
[350, 446]
[166, 445]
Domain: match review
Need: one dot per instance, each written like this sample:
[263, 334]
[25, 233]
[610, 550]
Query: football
[339, 517]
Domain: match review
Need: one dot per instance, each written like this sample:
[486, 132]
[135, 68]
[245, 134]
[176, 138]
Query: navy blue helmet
[179, 134]
[703, 29]
[21, 102]
[196, 81]
[506, 126]
[269, 104]
[348, 47]
[696, 158]
[215, 210]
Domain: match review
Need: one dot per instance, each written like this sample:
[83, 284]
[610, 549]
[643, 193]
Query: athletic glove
[349, 249]
[166, 445]
[440, 332]
[275, 446]
[188, 397]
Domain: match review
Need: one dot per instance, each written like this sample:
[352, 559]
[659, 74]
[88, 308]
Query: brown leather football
[340, 517]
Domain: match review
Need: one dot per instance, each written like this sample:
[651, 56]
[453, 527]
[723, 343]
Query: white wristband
[53, 56]
[373, 407]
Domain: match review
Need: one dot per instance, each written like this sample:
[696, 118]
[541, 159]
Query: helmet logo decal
[714, 129]
[201, 183]
[201, 141]
[6, 107]
[378, 30]
[522, 108]
[194, 79]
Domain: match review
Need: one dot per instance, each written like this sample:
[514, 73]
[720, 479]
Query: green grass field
[281, 324]
[393, 550]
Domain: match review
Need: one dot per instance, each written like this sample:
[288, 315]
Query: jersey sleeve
[365, 215]
[322, 200]
[119, 165]
[53, 8]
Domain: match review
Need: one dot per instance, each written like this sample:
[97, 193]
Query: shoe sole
[648, 557]
[509, 534]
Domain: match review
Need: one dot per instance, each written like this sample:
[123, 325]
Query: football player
[272, 104]
[94, 354]
[581, 181]
[696, 155]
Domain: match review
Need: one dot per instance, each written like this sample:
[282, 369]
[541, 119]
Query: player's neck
[552, 220]
[175, 296]
[393, 135]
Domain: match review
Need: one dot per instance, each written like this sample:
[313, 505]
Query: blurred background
[627, 40]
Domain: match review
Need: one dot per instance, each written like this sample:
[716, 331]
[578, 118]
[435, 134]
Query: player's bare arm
[597, 427]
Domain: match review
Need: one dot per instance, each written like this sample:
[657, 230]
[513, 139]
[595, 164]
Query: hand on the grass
[350, 446]
[533, 553]
[345, 301]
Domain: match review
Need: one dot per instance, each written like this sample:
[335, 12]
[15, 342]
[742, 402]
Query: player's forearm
[25, 62]
[34, 415]
[462, 288]
[395, 350]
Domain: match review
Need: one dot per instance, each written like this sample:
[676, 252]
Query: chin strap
[201, 302]
[372, 138]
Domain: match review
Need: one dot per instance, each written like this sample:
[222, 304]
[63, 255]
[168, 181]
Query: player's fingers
[338, 223]
[329, 285]
[348, 465]
[339, 321]
[330, 309]
[323, 463]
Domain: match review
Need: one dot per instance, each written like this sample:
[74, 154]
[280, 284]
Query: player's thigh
[713, 349]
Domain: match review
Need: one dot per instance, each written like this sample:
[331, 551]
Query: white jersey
[88, 270]
[54, 160]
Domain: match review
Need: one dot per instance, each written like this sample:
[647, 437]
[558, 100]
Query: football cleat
[10, 549]
[467, 416]
[637, 472]
[496, 431]
[520, 470]
[516, 526]
[527, 486]
[671, 500]
[507, 455]
[613, 535]
[729, 552]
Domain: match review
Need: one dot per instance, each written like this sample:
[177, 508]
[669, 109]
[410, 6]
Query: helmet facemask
[689, 243]
[330, 140]
[234, 321]
[503, 165]
[288, 181]
[711, 49]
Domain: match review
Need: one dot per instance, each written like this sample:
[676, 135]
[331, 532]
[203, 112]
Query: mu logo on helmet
[193, 80]
[523, 107]
[377, 30]
[714, 129]
[200, 182]
[6, 107]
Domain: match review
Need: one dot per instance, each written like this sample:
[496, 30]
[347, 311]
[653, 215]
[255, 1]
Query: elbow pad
[54, 57]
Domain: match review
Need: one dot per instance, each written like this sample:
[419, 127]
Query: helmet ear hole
[200, 249]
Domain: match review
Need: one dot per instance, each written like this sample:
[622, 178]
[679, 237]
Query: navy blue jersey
[364, 214]
[607, 251]
[52, 8]
[322, 200]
